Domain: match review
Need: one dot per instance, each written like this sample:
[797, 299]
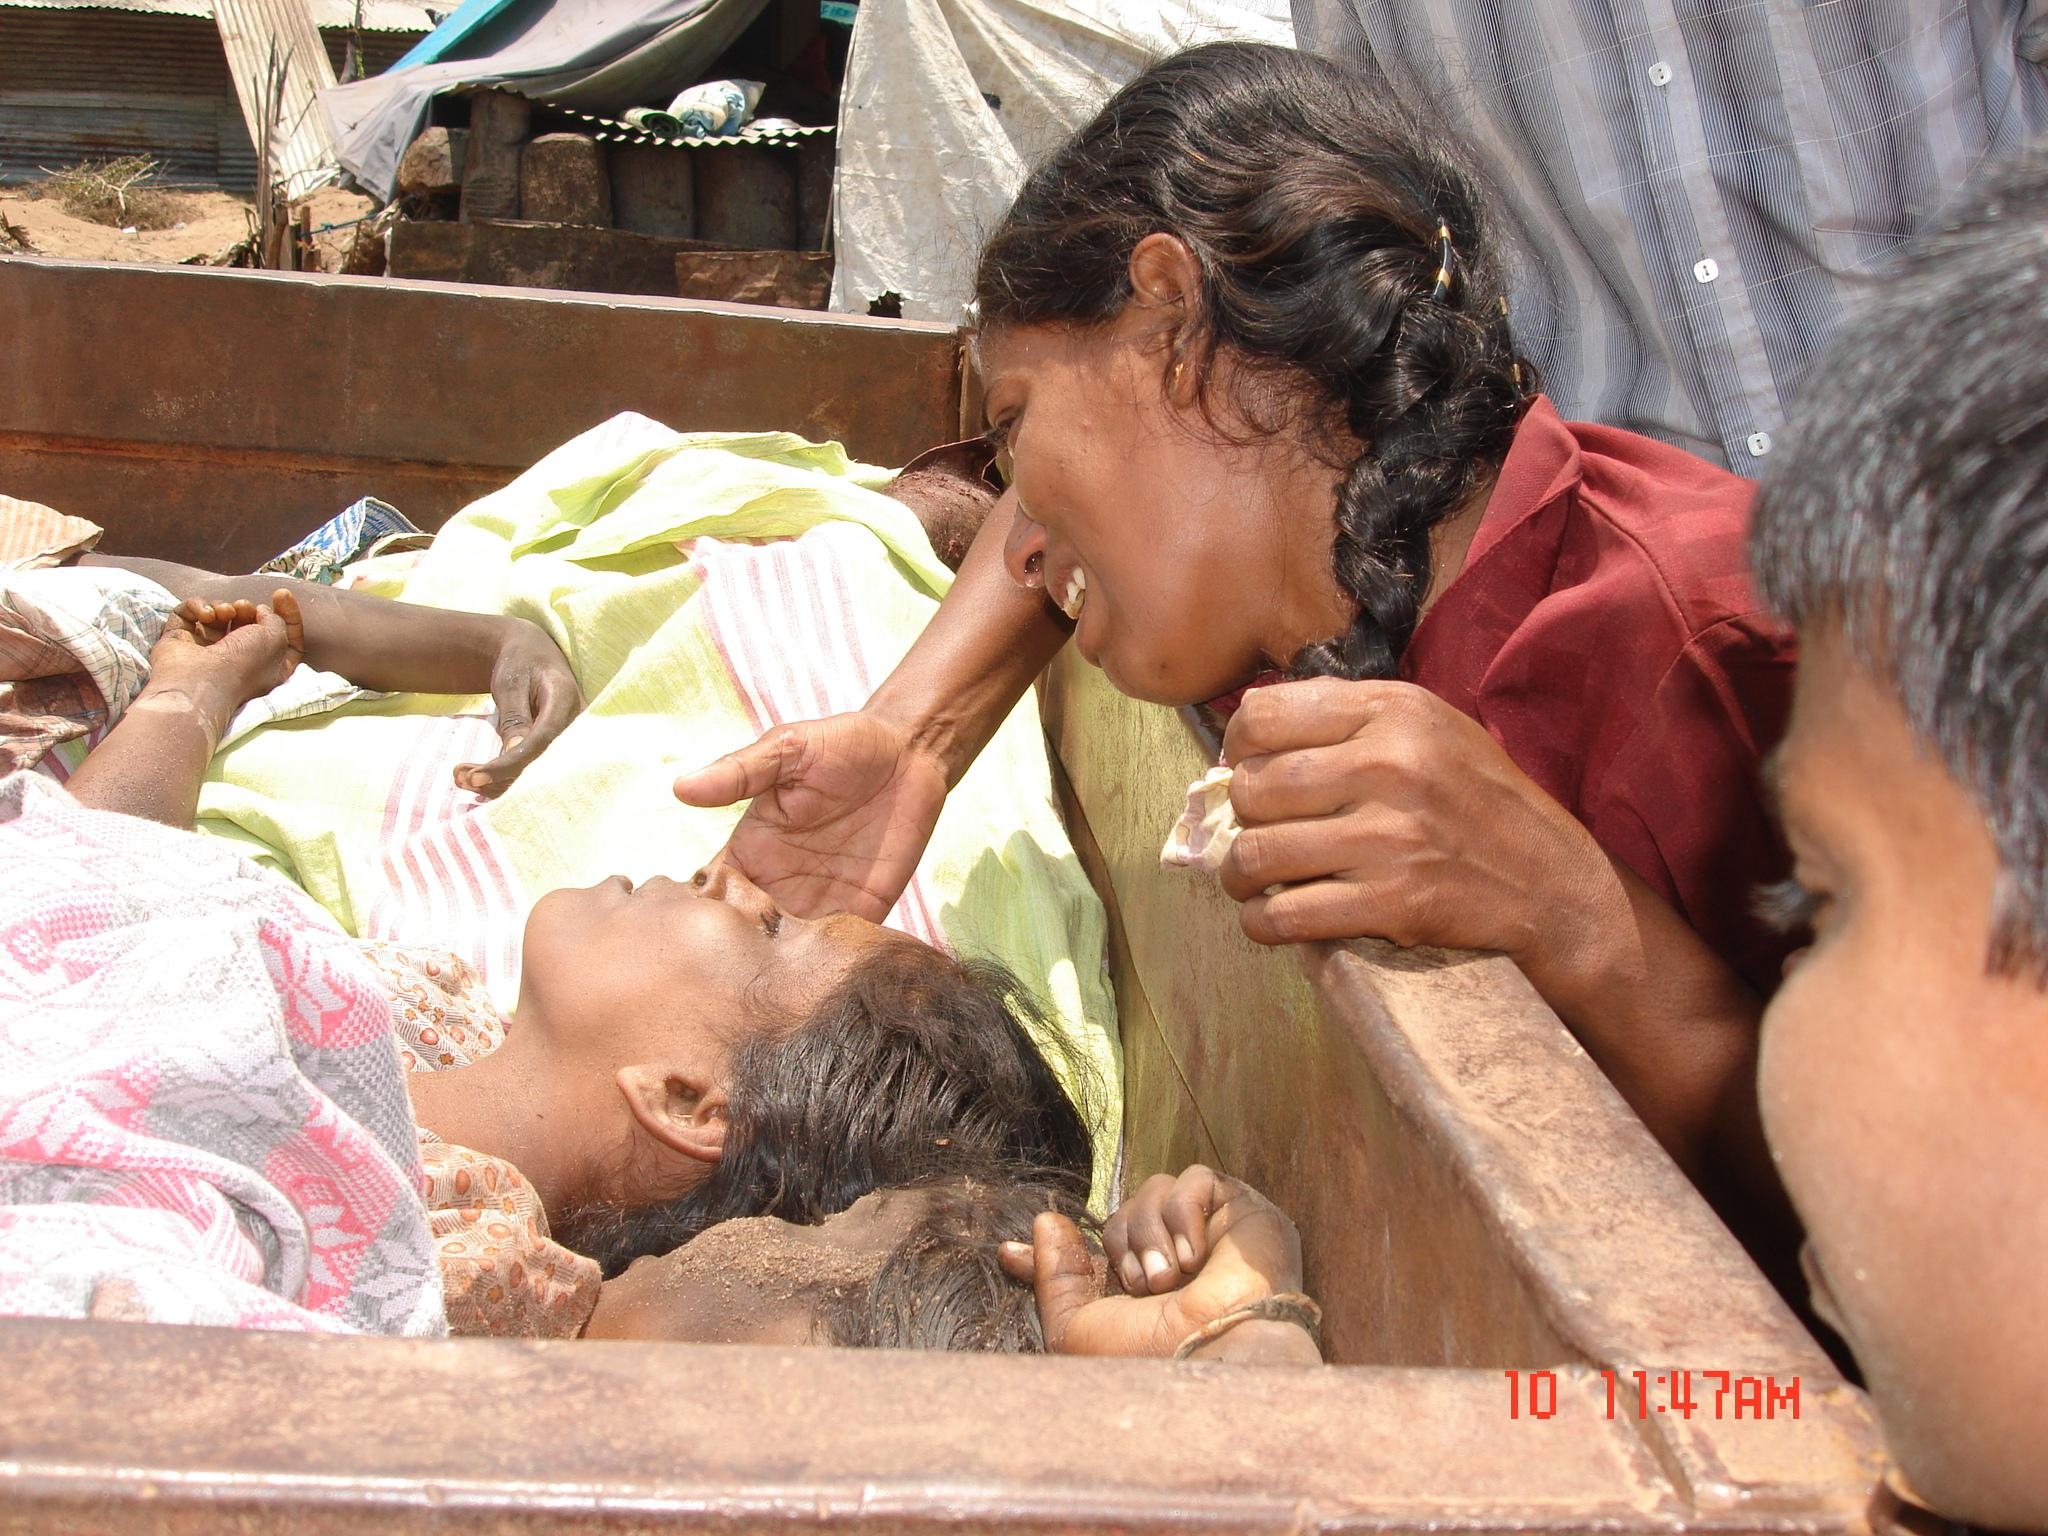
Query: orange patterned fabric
[501, 1272]
[440, 1011]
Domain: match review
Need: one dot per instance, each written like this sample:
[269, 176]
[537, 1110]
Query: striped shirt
[1697, 186]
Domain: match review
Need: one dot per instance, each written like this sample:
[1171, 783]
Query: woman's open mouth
[1074, 595]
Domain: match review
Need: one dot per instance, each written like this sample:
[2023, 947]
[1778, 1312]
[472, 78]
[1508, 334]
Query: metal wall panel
[198, 140]
[275, 40]
[79, 84]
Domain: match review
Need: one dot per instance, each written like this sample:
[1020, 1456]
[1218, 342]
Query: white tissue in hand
[1202, 837]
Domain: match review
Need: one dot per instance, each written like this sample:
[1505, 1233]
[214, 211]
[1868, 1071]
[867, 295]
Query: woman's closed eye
[1787, 906]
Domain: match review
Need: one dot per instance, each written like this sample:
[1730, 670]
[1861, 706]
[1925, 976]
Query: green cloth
[585, 544]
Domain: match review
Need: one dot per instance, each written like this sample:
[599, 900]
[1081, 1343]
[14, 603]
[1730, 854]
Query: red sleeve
[1683, 802]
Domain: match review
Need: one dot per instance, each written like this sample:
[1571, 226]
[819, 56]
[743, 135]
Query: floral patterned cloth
[202, 1118]
[502, 1274]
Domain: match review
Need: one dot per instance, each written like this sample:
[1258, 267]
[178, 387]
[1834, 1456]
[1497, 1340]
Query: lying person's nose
[1024, 549]
[721, 880]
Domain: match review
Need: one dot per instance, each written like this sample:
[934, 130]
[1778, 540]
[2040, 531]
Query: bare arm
[843, 806]
[976, 658]
[1676, 1030]
[372, 641]
[398, 647]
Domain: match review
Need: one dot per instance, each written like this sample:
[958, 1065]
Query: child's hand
[536, 695]
[1186, 1249]
[218, 656]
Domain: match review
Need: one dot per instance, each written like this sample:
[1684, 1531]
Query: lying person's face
[611, 1086]
[681, 965]
[1905, 1092]
[1199, 561]
[755, 1281]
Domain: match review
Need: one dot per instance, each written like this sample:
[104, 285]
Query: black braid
[1313, 207]
[1436, 433]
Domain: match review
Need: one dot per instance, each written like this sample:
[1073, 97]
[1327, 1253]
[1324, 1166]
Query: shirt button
[1660, 73]
[1705, 270]
[1759, 444]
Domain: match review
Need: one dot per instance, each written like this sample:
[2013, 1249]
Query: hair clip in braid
[1442, 290]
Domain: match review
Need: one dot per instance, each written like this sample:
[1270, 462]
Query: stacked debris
[534, 196]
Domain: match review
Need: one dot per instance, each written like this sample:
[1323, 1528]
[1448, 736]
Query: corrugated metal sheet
[80, 83]
[612, 130]
[278, 62]
[197, 141]
[378, 15]
[77, 85]
[111, 55]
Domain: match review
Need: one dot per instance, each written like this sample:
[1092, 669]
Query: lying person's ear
[678, 1110]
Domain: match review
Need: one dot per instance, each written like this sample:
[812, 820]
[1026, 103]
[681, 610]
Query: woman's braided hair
[1320, 216]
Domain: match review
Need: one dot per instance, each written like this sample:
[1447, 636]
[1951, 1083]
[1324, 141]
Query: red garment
[1605, 631]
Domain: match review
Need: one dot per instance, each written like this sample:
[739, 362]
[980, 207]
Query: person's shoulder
[1671, 524]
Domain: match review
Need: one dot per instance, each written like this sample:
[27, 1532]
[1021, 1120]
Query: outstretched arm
[843, 807]
[400, 647]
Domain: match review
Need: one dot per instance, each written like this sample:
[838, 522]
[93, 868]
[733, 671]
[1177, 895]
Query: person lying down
[699, 588]
[204, 1122]
[641, 1112]
[681, 1052]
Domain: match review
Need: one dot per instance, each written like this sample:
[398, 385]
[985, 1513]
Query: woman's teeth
[1074, 596]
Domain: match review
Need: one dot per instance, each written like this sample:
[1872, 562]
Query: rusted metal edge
[1734, 1321]
[483, 292]
[30, 443]
[1466, 1051]
[133, 1427]
[1565, 1237]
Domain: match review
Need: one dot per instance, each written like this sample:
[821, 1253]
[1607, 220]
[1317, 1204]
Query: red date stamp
[1682, 1394]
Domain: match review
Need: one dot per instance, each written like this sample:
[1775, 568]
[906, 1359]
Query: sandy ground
[210, 222]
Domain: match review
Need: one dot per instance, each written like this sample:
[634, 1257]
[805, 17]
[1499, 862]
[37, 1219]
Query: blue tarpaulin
[444, 39]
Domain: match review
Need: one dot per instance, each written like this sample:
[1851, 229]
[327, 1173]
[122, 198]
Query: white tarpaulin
[949, 102]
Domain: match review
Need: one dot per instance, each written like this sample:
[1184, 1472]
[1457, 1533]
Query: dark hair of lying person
[1910, 505]
[903, 1057]
[1345, 255]
[941, 1286]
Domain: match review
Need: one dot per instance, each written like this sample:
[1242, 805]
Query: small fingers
[1185, 1212]
[494, 777]
[201, 617]
[1017, 1261]
[1143, 1254]
[285, 604]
